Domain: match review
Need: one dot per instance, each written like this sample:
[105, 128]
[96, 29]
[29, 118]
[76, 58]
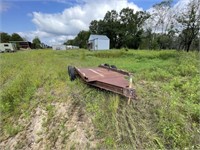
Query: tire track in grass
[128, 128]
[125, 128]
[135, 124]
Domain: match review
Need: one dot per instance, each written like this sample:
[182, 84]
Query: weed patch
[165, 116]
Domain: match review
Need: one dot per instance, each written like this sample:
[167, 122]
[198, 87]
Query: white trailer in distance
[8, 47]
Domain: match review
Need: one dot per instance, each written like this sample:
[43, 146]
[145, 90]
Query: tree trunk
[188, 45]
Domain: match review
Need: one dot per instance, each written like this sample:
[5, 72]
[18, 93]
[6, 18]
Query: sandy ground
[65, 126]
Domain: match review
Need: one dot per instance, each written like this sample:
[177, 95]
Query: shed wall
[103, 44]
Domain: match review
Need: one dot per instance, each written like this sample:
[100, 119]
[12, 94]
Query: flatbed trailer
[105, 77]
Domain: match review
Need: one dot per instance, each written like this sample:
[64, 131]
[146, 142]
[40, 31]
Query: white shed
[98, 42]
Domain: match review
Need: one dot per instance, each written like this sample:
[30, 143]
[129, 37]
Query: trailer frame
[106, 77]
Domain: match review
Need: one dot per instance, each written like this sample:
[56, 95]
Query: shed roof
[95, 36]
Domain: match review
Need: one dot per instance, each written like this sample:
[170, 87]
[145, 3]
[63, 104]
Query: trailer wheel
[113, 67]
[71, 72]
[106, 65]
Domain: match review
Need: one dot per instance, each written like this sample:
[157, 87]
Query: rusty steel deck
[108, 78]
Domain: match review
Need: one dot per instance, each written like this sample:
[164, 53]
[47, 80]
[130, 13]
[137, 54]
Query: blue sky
[19, 13]
[55, 21]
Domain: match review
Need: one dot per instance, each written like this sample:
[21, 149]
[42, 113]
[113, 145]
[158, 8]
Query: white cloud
[70, 21]
[47, 38]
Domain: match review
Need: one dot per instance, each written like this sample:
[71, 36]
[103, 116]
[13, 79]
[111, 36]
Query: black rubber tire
[113, 67]
[106, 65]
[71, 72]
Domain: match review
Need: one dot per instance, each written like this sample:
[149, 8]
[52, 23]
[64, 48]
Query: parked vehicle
[8, 47]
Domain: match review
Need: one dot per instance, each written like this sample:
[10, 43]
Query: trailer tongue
[106, 77]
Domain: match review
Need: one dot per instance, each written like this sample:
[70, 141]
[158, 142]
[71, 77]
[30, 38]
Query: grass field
[42, 109]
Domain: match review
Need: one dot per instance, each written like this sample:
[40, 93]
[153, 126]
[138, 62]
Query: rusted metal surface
[108, 78]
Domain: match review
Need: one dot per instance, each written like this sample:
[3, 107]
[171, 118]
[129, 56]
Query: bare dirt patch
[64, 126]
[28, 137]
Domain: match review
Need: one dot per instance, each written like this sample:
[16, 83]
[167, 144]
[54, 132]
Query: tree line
[6, 38]
[162, 29]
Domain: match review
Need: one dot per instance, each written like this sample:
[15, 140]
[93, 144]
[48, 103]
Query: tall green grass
[165, 116]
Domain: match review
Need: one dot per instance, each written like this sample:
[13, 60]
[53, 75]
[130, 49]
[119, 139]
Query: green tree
[94, 25]
[147, 39]
[97, 27]
[132, 24]
[196, 43]
[16, 37]
[123, 29]
[5, 37]
[190, 24]
[80, 40]
[69, 42]
[111, 27]
[36, 42]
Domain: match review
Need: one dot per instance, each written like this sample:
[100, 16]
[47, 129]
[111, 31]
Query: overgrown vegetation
[164, 27]
[164, 116]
